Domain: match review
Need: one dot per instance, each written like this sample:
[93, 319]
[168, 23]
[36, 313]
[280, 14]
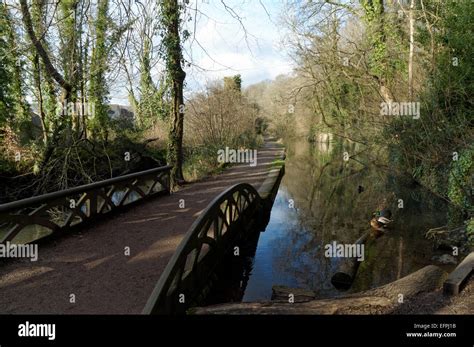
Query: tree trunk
[171, 18]
[37, 80]
[26, 17]
[51, 71]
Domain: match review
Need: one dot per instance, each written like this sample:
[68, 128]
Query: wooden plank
[460, 275]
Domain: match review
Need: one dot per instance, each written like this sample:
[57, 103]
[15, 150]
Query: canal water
[323, 198]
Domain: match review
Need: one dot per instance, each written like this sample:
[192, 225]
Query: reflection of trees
[329, 207]
[328, 201]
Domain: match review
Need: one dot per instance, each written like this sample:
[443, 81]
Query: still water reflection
[323, 198]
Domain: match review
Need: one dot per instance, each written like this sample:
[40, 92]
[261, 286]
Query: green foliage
[374, 12]
[6, 63]
[13, 107]
[172, 36]
[152, 104]
[385, 60]
[261, 125]
[69, 34]
[248, 139]
[7, 166]
[201, 161]
[470, 232]
[81, 40]
[278, 163]
[425, 146]
[171, 11]
[461, 180]
[233, 83]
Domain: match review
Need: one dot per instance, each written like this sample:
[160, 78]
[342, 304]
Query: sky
[230, 37]
[219, 45]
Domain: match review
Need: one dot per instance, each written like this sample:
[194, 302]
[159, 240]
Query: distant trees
[283, 104]
[220, 116]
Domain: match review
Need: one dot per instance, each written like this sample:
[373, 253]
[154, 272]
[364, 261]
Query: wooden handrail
[230, 216]
[71, 191]
[59, 211]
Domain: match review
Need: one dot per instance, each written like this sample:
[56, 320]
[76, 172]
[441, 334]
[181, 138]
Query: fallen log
[377, 300]
[427, 279]
[343, 278]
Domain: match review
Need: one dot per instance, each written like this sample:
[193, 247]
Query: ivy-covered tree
[377, 35]
[171, 14]
[6, 63]
[152, 103]
[98, 89]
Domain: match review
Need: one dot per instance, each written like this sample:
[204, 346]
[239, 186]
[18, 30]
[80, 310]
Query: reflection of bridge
[112, 265]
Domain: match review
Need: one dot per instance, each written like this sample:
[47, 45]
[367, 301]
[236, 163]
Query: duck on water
[381, 219]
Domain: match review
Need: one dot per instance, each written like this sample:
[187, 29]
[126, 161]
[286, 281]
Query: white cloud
[220, 46]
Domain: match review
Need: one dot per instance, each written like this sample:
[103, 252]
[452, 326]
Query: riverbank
[418, 293]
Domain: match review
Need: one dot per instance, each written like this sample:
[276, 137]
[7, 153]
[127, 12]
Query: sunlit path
[93, 266]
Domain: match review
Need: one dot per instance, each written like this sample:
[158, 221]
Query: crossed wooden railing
[31, 219]
[227, 220]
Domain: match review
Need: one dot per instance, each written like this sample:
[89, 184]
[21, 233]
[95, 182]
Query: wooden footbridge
[129, 245]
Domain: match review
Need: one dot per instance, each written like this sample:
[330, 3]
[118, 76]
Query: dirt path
[93, 266]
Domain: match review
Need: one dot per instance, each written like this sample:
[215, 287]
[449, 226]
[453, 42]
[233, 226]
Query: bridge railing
[228, 218]
[34, 218]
